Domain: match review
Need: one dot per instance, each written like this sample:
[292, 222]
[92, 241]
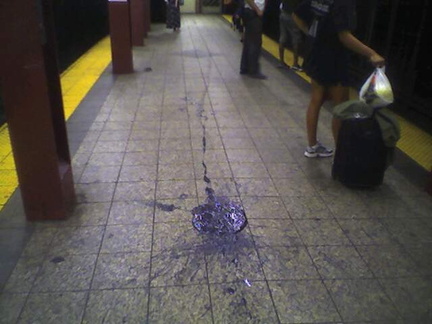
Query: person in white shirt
[252, 42]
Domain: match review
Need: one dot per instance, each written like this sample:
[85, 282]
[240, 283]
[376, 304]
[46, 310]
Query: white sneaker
[318, 150]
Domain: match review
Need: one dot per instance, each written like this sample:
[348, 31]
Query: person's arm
[254, 7]
[301, 24]
[353, 43]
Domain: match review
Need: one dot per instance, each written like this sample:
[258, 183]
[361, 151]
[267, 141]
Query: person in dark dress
[328, 25]
[173, 14]
[252, 40]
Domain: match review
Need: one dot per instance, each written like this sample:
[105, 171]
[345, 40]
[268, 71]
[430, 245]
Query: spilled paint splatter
[218, 215]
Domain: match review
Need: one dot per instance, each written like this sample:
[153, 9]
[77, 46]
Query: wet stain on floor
[57, 259]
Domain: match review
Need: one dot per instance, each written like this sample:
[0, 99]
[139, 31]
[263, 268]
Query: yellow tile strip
[78, 79]
[414, 142]
[76, 82]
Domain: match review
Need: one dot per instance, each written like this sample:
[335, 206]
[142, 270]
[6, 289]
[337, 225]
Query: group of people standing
[327, 27]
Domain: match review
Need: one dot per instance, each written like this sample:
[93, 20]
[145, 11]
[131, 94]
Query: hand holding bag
[377, 91]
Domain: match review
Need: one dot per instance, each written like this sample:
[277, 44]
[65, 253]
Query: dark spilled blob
[57, 259]
[161, 206]
[210, 193]
[165, 207]
[218, 216]
[148, 69]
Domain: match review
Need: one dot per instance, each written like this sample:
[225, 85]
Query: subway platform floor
[314, 251]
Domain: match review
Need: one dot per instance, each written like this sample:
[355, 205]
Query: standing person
[173, 14]
[237, 19]
[328, 25]
[287, 26]
[252, 41]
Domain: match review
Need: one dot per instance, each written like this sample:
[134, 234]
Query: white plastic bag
[377, 91]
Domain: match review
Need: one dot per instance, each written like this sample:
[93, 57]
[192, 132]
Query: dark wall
[271, 19]
[158, 10]
[79, 25]
[2, 112]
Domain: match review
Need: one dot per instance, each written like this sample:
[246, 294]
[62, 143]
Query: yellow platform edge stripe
[414, 142]
[76, 81]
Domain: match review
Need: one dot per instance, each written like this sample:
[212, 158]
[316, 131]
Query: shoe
[318, 150]
[259, 76]
[297, 68]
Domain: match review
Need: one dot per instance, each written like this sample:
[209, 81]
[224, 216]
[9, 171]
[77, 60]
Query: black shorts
[328, 66]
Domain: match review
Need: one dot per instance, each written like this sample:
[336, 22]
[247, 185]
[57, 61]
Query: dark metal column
[34, 108]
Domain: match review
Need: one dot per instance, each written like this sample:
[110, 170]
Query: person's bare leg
[312, 114]
[337, 94]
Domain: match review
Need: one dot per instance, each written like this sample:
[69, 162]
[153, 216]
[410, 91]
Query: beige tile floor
[313, 251]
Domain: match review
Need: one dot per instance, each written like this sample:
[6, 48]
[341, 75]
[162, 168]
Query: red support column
[137, 22]
[120, 33]
[32, 96]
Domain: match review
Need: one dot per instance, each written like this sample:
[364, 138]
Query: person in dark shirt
[328, 25]
[288, 28]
